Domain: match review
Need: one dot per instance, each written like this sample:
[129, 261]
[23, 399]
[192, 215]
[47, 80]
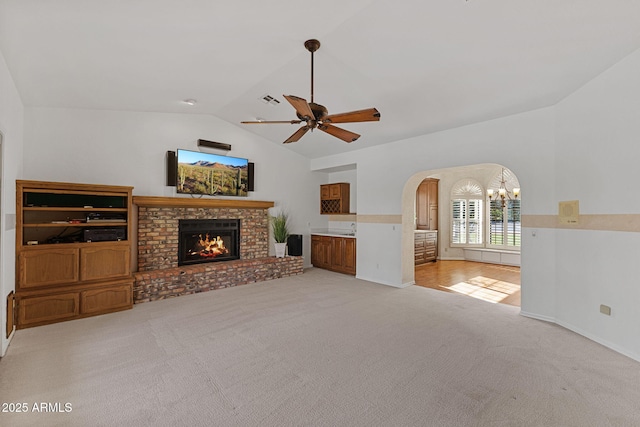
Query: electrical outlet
[605, 309]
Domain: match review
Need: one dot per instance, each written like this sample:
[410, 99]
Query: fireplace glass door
[208, 240]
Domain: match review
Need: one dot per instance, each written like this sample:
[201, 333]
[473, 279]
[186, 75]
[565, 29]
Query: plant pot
[281, 248]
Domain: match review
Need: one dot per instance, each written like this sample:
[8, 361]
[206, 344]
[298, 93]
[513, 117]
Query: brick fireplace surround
[160, 277]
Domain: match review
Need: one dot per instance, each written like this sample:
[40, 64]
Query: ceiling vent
[268, 99]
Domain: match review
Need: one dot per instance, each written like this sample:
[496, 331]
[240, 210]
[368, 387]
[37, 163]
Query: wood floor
[489, 282]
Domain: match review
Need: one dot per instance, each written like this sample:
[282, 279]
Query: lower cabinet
[73, 303]
[321, 251]
[334, 253]
[48, 309]
[425, 246]
[57, 283]
[96, 301]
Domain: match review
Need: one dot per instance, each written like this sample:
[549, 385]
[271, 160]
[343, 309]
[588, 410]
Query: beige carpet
[321, 349]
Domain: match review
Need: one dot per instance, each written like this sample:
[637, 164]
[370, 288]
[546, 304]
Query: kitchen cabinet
[334, 198]
[425, 246]
[427, 205]
[334, 253]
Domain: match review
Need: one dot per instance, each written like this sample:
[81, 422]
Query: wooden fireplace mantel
[189, 202]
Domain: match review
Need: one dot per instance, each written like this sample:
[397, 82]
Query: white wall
[388, 176]
[598, 130]
[11, 126]
[584, 148]
[128, 148]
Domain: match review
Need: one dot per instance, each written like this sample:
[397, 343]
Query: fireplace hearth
[208, 240]
[159, 276]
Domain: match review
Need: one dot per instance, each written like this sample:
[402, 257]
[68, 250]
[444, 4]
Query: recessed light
[190, 101]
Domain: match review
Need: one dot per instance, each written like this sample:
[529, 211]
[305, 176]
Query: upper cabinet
[427, 205]
[334, 198]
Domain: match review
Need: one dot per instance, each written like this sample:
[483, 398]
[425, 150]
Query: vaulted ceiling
[426, 65]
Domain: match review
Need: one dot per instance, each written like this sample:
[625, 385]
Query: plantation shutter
[504, 226]
[475, 221]
[513, 225]
[458, 224]
[466, 212]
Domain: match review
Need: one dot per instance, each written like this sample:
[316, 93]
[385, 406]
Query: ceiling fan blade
[260, 122]
[302, 107]
[368, 115]
[343, 134]
[298, 134]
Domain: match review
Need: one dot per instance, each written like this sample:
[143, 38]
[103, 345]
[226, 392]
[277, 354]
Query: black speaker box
[213, 144]
[294, 245]
[172, 169]
[250, 177]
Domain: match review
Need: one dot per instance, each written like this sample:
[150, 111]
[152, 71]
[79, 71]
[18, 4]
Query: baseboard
[538, 317]
[599, 340]
[394, 285]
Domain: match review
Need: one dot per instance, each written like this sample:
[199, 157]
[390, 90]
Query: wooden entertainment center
[73, 251]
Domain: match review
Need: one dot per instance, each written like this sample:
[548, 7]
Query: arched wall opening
[483, 173]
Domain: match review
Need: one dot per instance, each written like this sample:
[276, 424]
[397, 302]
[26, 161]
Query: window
[466, 212]
[504, 226]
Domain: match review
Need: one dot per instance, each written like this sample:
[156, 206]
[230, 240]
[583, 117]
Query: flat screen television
[211, 174]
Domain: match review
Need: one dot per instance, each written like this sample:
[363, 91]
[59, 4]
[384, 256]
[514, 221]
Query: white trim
[538, 317]
[451, 258]
[493, 256]
[599, 340]
[394, 285]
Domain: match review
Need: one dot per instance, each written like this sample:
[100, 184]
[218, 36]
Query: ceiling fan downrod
[312, 45]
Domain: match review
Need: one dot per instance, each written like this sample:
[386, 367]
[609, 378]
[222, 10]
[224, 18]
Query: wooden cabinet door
[104, 262]
[325, 248]
[427, 205]
[104, 300]
[325, 192]
[349, 256]
[433, 217]
[47, 309]
[52, 266]
[422, 206]
[335, 191]
[337, 253]
[433, 191]
[316, 251]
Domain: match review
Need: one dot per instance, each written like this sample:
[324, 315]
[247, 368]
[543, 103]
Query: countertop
[334, 233]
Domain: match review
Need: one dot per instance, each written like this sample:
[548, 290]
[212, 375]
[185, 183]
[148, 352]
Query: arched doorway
[492, 267]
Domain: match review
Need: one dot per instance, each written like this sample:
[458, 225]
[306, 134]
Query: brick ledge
[184, 280]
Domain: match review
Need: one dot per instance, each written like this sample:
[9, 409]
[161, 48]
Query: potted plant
[280, 233]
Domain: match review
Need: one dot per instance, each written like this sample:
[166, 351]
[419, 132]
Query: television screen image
[211, 174]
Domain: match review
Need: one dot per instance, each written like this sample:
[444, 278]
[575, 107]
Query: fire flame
[208, 247]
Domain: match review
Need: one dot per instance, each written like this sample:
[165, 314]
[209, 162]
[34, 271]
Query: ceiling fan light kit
[317, 116]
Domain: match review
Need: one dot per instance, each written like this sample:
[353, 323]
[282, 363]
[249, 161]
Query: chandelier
[503, 193]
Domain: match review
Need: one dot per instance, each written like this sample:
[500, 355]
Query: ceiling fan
[317, 116]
